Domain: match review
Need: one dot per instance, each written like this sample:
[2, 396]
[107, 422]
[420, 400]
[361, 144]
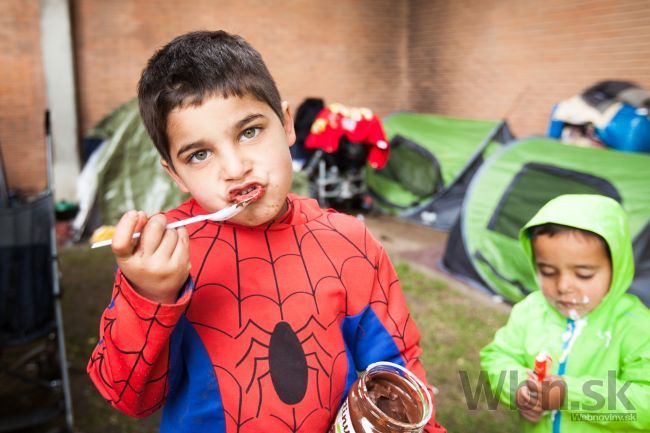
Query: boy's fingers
[531, 415]
[533, 386]
[527, 399]
[142, 221]
[182, 251]
[121, 245]
[168, 243]
[152, 234]
[524, 394]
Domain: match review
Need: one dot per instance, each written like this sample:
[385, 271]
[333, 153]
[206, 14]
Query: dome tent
[124, 173]
[432, 160]
[515, 182]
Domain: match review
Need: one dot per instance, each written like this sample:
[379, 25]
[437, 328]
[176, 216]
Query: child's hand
[158, 263]
[551, 390]
[528, 403]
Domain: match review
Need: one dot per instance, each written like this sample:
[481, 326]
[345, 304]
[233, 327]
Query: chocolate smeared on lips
[247, 193]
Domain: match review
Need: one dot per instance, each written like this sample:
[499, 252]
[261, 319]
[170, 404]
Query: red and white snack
[542, 362]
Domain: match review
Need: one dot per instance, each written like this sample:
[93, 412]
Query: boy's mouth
[567, 305]
[574, 303]
[249, 192]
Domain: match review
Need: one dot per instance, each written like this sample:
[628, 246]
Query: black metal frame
[338, 179]
[40, 360]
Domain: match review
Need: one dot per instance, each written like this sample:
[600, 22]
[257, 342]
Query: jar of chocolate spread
[386, 398]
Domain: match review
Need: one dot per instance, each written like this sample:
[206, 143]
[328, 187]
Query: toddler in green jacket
[597, 335]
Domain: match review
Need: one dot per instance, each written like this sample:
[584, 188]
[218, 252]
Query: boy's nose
[564, 285]
[234, 165]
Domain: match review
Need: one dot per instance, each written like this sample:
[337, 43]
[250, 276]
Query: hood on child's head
[597, 214]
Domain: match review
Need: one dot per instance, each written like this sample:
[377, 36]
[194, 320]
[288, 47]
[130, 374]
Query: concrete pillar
[58, 64]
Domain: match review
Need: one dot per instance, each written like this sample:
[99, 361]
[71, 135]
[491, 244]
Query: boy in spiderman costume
[259, 323]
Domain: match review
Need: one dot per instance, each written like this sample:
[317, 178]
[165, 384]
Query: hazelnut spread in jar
[386, 398]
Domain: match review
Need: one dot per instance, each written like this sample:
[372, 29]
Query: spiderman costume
[269, 331]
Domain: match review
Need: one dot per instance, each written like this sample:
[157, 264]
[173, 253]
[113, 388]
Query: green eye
[250, 133]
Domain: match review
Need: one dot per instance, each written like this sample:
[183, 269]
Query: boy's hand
[158, 263]
[551, 390]
[528, 403]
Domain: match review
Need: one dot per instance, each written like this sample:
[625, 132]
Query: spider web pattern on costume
[132, 392]
[249, 283]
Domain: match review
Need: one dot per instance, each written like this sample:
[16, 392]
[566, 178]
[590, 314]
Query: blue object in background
[628, 131]
[554, 126]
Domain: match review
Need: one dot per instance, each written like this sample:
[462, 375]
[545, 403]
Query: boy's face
[226, 146]
[574, 271]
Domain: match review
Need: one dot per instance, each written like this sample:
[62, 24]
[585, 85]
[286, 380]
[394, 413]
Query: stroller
[333, 146]
[35, 388]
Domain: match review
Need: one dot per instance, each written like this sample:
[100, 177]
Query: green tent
[124, 173]
[520, 178]
[432, 158]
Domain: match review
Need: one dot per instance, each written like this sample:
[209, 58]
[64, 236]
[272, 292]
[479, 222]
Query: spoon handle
[221, 215]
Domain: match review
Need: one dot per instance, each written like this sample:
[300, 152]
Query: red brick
[467, 58]
[22, 103]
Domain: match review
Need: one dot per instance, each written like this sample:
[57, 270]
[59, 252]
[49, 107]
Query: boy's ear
[288, 124]
[172, 173]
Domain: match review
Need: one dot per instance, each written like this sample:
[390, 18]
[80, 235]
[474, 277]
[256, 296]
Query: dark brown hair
[197, 65]
[551, 229]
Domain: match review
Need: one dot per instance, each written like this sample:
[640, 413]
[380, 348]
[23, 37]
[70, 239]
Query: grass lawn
[453, 326]
[86, 279]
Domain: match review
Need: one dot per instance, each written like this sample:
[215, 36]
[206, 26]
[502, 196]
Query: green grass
[87, 278]
[453, 328]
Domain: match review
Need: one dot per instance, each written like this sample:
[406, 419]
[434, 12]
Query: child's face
[574, 271]
[225, 146]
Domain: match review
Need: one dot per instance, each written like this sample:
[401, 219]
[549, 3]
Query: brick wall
[343, 51]
[22, 95]
[468, 58]
[515, 59]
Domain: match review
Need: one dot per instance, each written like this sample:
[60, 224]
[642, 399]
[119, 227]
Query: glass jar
[386, 398]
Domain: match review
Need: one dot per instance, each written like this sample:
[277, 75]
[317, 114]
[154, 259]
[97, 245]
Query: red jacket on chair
[359, 125]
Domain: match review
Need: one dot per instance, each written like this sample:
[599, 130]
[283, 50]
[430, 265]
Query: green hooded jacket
[604, 357]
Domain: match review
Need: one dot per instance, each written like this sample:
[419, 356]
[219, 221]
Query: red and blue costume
[269, 332]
